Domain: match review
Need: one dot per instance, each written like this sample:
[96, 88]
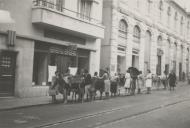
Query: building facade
[146, 34]
[60, 33]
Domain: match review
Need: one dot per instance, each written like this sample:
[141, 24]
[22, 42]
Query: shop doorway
[7, 73]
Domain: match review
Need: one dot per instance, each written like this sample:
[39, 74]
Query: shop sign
[71, 50]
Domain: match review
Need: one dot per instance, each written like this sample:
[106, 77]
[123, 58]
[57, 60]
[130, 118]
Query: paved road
[156, 110]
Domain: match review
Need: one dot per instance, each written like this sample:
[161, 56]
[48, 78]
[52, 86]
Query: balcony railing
[65, 11]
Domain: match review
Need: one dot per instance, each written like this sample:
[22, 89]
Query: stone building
[61, 33]
[146, 34]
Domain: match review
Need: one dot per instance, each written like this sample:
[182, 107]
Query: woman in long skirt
[127, 82]
[106, 84]
[172, 80]
[149, 82]
[140, 82]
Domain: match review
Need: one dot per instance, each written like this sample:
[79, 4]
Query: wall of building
[148, 17]
[28, 33]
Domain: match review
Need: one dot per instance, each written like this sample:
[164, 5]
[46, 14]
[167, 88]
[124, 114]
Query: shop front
[58, 56]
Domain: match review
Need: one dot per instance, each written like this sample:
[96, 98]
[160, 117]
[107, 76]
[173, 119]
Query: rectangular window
[85, 9]
[60, 5]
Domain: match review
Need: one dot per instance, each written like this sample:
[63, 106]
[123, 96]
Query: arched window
[159, 42]
[175, 51]
[161, 5]
[123, 27]
[122, 32]
[175, 20]
[169, 11]
[169, 14]
[149, 2]
[181, 25]
[161, 8]
[188, 28]
[136, 34]
[176, 16]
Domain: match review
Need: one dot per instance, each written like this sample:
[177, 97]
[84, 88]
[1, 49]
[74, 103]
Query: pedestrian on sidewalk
[106, 83]
[149, 81]
[114, 84]
[164, 80]
[158, 82]
[57, 86]
[188, 78]
[140, 82]
[127, 84]
[172, 80]
[87, 84]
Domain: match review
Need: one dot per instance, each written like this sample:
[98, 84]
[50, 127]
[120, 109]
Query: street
[161, 109]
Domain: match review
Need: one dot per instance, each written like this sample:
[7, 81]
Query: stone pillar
[184, 62]
[188, 57]
[129, 46]
[153, 52]
[164, 41]
[141, 52]
[95, 58]
[114, 39]
[178, 59]
[172, 46]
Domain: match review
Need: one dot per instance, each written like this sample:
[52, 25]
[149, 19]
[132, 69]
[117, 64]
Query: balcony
[52, 15]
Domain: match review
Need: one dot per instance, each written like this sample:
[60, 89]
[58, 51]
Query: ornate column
[129, 45]
[184, 62]
[113, 39]
[164, 42]
[171, 56]
[178, 58]
[141, 52]
[153, 52]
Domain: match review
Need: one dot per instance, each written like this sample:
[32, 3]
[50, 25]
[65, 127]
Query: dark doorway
[167, 68]
[159, 66]
[7, 72]
[180, 71]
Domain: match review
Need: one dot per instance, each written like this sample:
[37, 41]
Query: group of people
[149, 81]
[87, 85]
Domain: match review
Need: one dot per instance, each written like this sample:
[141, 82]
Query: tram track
[111, 111]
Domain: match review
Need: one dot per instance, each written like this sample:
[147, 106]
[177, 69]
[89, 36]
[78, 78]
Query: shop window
[40, 68]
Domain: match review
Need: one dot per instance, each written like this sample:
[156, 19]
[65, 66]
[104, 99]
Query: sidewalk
[8, 103]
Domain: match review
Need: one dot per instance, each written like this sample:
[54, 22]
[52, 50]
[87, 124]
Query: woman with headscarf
[172, 80]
